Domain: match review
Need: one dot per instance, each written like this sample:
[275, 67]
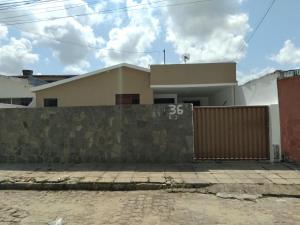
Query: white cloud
[69, 38]
[15, 55]
[289, 54]
[208, 31]
[243, 77]
[3, 31]
[137, 36]
[79, 68]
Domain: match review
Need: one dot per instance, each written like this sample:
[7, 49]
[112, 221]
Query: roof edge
[204, 63]
[64, 81]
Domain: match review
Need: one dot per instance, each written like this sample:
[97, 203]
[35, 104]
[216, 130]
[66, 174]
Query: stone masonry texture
[137, 133]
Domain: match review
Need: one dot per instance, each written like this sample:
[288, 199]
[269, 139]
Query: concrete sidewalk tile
[261, 181]
[239, 176]
[172, 174]
[218, 171]
[279, 181]
[189, 175]
[140, 179]
[293, 181]
[221, 176]
[235, 171]
[142, 174]
[289, 174]
[254, 175]
[110, 174]
[203, 173]
[123, 180]
[201, 176]
[107, 179]
[226, 180]
[271, 176]
[244, 181]
[123, 174]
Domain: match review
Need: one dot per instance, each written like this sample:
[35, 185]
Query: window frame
[50, 105]
[127, 99]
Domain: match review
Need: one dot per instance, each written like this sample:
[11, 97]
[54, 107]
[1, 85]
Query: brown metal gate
[231, 133]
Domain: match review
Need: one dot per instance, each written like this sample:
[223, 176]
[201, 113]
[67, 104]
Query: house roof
[60, 82]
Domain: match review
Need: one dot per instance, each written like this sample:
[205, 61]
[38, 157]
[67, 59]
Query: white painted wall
[11, 87]
[260, 91]
[7, 106]
[274, 128]
[225, 97]
[14, 88]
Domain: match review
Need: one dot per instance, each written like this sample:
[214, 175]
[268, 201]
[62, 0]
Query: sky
[77, 36]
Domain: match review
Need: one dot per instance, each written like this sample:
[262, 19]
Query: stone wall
[139, 133]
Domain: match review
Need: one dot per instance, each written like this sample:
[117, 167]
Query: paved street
[141, 207]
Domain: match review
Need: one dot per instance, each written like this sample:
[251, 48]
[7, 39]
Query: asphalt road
[141, 207]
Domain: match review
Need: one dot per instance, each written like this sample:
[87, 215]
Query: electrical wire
[248, 40]
[124, 9]
[62, 8]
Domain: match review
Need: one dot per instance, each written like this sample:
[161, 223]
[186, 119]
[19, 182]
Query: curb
[271, 190]
[97, 186]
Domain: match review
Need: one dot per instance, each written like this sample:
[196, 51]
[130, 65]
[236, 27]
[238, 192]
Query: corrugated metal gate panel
[231, 132]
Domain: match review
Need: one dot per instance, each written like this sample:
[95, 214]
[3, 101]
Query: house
[200, 84]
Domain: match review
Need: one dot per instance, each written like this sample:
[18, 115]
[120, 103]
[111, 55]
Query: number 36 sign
[175, 111]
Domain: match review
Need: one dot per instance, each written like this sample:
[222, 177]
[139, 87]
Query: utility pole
[164, 51]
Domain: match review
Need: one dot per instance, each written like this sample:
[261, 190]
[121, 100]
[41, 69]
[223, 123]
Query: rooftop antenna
[186, 57]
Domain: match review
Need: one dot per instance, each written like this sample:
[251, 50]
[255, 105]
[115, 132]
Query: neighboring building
[15, 91]
[264, 91]
[260, 91]
[200, 84]
[289, 106]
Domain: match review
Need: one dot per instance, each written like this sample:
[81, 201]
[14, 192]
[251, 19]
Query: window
[50, 102]
[127, 99]
[5, 100]
[16, 101]
[164, 101]
[21, 101]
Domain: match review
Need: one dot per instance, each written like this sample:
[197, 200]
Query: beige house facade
[204, 84]
[200, 84]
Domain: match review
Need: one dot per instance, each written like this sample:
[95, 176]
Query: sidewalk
[150, 176]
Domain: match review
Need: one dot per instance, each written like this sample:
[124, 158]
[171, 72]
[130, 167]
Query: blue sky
[208, 30]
